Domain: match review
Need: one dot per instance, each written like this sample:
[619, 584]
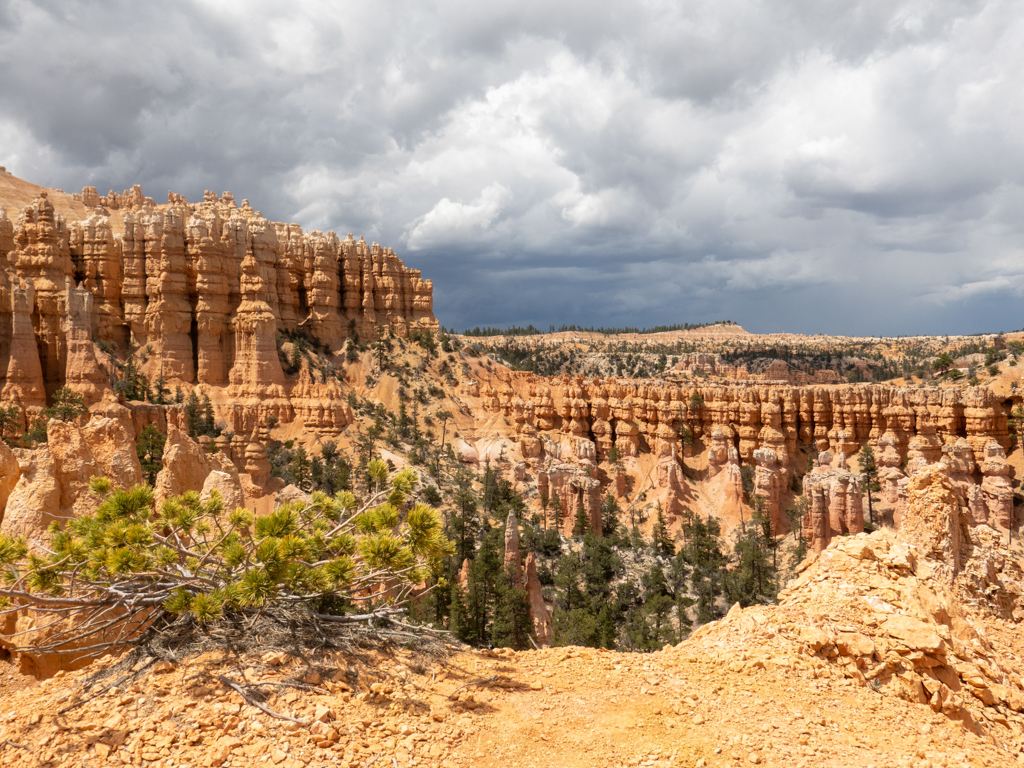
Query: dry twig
[490, 679]
[249, 700]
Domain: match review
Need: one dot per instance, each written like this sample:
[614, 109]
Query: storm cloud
[801, 165]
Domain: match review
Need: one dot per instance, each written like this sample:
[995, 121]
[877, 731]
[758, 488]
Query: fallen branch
[300, 686]
[490, 679]
[381, 614]
[249, 700]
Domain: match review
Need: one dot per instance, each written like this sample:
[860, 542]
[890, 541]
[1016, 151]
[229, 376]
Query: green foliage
[747, 479]
[754, 579]
[663, 544]
[581, 523]
[67, 405]
[36, 433]
[149, 446]
[10, 420]
[702, 552]
[512, 625]
[195, 557]
[1016, 423]
[869, 471]
[943, 362]
[610, 518]
[132, 383]
[795, 515]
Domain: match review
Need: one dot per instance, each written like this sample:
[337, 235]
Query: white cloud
[449, 223]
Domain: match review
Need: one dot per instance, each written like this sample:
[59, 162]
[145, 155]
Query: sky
[817, 166]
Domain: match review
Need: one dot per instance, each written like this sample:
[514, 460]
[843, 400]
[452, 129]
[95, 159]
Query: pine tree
[609, 517]
[193, 415]
[159, 393]
[795, 514]
[703, 553]
[149, 446]
[869, 470]
[458, 620]
[484, 571]
[512, 625]
[464, 521]
[209, 426]
[754, 577]
[582, 522]
[300, 468]
[68, 405]
[9, 419]
[663, 543]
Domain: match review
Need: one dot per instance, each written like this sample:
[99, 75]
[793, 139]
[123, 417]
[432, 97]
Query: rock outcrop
[543, 631]
[835, 506]
[926, 613]
[205, 289]
[185, 466]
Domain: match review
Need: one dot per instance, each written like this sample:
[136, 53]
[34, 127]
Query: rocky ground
[570, 707]
[890, 649]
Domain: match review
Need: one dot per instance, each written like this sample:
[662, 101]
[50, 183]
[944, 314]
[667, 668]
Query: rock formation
[205, 289]
[543, 631]
[927, 613]
[835, 506]
[512, 561]
[185, 466]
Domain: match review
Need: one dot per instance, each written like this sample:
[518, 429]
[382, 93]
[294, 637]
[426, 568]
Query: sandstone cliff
[206, 289]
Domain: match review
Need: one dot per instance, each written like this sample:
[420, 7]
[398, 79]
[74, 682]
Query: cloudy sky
[838, 166]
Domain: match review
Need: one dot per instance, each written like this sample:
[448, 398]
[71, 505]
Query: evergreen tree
[458, 619]
[703, 553]
[300, 468]
[10, 419]
[484, 573]
[609, 517]
[869, 470]
[209, 427]
[586, 610]
[556, 508]
[795, 514]
[512, 625]
[582, 522]
[753, 579]
[68, 405]
[663, 544]
[159, 393]
[464, 521]
[149, 446]
[193, 415]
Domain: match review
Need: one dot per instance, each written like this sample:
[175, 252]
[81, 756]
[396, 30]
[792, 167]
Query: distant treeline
[530, 330]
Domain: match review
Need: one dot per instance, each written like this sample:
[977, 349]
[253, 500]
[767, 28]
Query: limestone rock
[512, 561]
[185, 467]
[229, 489]
[35, 501]
[542, 627]
[10, 472]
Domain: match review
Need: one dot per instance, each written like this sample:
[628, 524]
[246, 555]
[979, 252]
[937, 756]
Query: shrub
[190, 563]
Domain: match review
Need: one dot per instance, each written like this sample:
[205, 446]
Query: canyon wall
[766, 426]
[205, 290]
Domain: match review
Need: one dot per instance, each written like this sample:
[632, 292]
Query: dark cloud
[807, 165]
